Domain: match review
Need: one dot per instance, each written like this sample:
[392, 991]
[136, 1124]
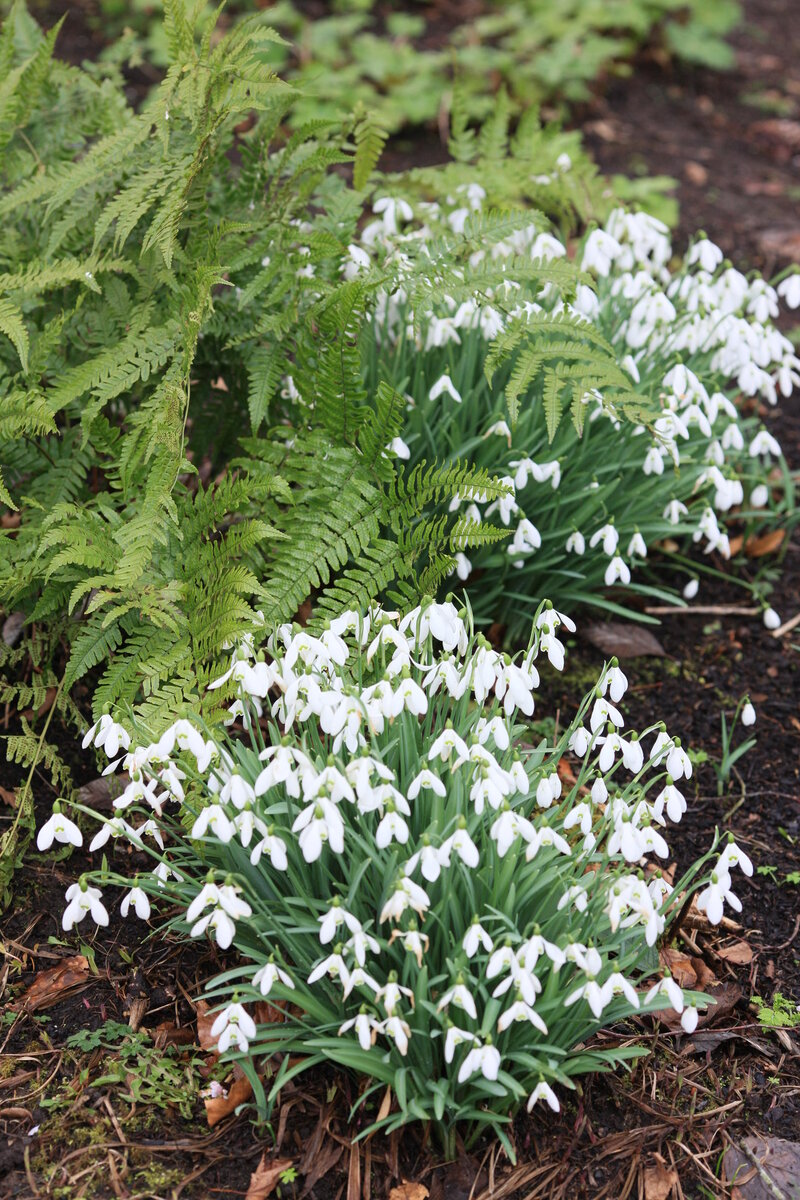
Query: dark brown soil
[730, 143]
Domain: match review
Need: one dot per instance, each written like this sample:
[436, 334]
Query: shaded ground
[731, 143]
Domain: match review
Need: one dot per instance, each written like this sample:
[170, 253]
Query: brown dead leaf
[265, 1013]
[762, 1168]
[624, 640]
[757, 547]
[680, 966]
[50, 986]
[265, 1176]
[781, 242]
[12, 628]
[696, 173]
[219, 1107]
[779, 129]
[409, 1191]
[565, 772]
[735, 544]
[659, 1182]
[738, 952]
[705, 976]
[8, 797]
[10, 521]
[168, 1034]
[205, 1020]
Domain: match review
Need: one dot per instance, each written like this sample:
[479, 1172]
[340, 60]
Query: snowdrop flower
[214, 818]
[233, 1026]
[444, 384]
[275, 849]
[319, 823]
[674, 511]
[475, 937]
[637, 546]
[617, 569]
[592, 993]
[691, 589]
[399, 448]
[669, 988]
[406, 894]
[599, 251]
[576, 543]
[579, 741]
[115, 827]
[520, 1011]
[706, 254]
[107, 734]
[461, 997]
[444, 745]
[689, 1018]
[58, 828]
[609, 536]
[270, 974]
[763, 443]
[392, 209]
[789, 290]
[653, 461]
[501, 429]
[462, 843]
[366, 1027]
[140, 901]
[482, 1057]
[712, 899]
[455, 1037]
[543, 1091]
[771, 619]
[748, 714]
[82, 899]
[734, 856]
[391, 994]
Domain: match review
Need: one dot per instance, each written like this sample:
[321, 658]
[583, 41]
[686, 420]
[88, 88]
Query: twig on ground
[702, 610]
[786, 626]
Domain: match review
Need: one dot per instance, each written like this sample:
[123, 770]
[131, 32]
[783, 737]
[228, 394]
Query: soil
[732, 142]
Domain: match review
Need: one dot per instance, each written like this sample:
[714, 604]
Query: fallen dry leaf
[777, 1172]
[780, 242]
[219, 1107]
[205, 1020]
[779, 129]
[168, 1034]
[757, 547]
[680, 966]
[624, 640]
[8, 797]
[265, 1176]
[738, 952]
[409, 1191]
[659, 1182]
[696, 173]
[705, 976]
[50, 986]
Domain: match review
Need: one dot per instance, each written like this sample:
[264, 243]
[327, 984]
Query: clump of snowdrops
[405, 866]
[591, 499]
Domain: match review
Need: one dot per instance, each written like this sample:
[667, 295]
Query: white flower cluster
[689, 340]
[401, 856]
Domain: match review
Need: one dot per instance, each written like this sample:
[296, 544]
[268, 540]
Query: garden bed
[675, 1115]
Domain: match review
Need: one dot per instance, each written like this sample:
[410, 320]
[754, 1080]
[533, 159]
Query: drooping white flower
[140, 901]
[483, 1057]
[543, 1091]
[270, 974]
[82, 899]
[233, 1026]
[58, 828]
[444, 384]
